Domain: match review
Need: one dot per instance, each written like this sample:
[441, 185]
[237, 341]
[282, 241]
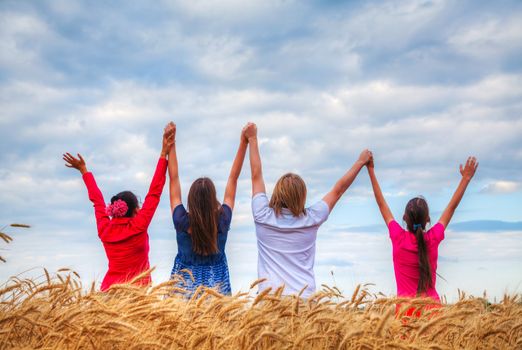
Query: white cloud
[322, 81]
[489, 37]
[222, 57]
[228, 11]
[500, 187]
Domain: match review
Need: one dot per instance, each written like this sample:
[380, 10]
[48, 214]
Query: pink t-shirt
[406, 258]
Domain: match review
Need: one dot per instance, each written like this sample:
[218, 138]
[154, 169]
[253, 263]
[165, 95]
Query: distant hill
[464, 226]
[486, 225]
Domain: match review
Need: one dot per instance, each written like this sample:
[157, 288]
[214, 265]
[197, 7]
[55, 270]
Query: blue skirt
[212, 276]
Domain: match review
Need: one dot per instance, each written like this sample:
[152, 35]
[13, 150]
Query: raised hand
[370, 163]
[243, 138]
[169, 137]
[468, 170]
[365, 157]
[171, 128]
[76, 163]
[250, 130]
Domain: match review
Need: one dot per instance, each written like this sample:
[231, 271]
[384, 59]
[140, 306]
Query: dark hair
[129, 198]
[417, 215]
[204, 210]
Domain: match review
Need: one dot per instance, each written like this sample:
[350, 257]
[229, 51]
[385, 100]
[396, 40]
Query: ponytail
[416, 216]
[425, 280]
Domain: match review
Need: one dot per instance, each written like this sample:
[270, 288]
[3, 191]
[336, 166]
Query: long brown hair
[417, 215]
[204, 210]
[289, 192]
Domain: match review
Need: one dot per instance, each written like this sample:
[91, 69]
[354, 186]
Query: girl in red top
[122, 225]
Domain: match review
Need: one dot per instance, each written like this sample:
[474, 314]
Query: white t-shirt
[286, 245]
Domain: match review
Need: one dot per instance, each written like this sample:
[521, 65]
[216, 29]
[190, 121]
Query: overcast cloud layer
[423, 84]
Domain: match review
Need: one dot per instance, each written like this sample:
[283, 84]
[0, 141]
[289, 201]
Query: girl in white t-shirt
[286, 231]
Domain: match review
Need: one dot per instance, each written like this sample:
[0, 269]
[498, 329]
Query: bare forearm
[237, 165]
[258, 184]
[165, 149]
[454, 202]
[173, 163]
[332, 197]
[379, 197]
[163, 153]
[174, 185]
[344, 182]
[459, 193]
[255, 159]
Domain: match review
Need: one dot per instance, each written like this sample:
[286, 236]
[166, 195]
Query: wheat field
[58, 312]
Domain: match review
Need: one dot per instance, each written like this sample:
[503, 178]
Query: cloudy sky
[423, 84]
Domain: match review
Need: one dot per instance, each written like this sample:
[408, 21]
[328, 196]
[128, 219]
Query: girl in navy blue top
[201, 232]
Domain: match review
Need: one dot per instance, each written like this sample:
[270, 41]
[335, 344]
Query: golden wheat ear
[8, 239]
[55, 310]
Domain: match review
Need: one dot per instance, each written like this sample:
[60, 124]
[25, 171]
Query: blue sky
[423, 84]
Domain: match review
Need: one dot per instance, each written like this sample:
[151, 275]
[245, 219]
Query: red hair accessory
[117, 209]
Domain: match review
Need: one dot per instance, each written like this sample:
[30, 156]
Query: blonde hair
[289, 192]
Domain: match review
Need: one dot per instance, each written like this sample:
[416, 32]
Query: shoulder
[179, 211]
[260, 198]
[180, 218]
[260, 207]
[437, 232]
[319, 211]
[395, 230]
[226, 214]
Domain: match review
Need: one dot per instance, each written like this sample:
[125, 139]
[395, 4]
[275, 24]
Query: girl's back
[127, 249]
[406, 258]
[186, 253]
[209, 270]
[286, 245]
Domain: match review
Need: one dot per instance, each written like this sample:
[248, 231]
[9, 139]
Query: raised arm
[258, 184]
[379, 198]
[230, 191]
[152, 199]
[95, 195]
[332, 197]
[174, 186]
[467, 171]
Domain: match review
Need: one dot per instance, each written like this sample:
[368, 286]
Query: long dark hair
[417, 215]
[131, 200]
[204, 210]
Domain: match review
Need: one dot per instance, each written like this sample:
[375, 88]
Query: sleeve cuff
[259, 194]
[327, 207]
[393, 223]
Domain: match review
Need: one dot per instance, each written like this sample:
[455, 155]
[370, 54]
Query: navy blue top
[185, 253]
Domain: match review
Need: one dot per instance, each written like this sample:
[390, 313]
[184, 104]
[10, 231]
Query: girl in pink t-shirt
[415, 250]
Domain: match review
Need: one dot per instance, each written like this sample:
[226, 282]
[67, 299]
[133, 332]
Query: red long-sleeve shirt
[126, 240]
